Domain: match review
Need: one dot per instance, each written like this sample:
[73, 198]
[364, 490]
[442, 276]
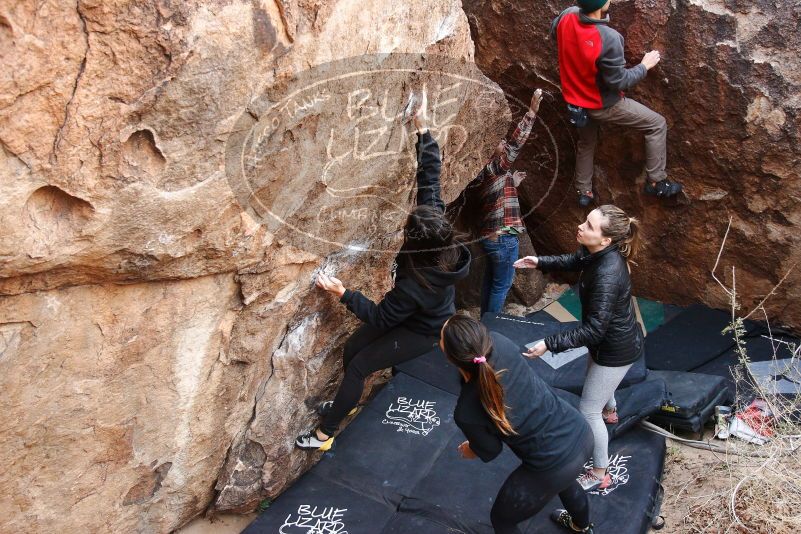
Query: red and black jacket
[592, 67]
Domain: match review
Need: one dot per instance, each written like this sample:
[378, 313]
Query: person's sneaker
[610, 418]
[585, 198]
[588, 481]
[663, 188]
[310, 441]
[326, 406]
[562, 518]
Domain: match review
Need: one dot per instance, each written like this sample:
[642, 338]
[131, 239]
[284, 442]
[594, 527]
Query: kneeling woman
[514, 406]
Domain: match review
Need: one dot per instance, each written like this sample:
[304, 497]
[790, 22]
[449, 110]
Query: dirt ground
[222, 524]
[699, 485]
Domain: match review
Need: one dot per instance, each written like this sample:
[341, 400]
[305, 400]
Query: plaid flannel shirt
[499, 204]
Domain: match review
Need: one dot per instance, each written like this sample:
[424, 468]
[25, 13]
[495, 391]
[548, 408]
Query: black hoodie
[421, 310]
[548, 430]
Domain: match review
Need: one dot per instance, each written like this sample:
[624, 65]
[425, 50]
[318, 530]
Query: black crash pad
[433, 369]
[462, 497]
[689, 340]
[567, 375]
[630, 503]
[634, 403]
[542, 316]
[406, 523]
[396, 469]
[459, 493]
[758, 349]
[314, 504]
[691, 399]
[390, 446]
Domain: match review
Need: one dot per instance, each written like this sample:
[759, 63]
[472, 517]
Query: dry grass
[747, 488]
[712, 492]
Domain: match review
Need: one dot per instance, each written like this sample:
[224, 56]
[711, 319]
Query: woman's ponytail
[492, 398]
[631, 243]
[468, 345]
[624, 231]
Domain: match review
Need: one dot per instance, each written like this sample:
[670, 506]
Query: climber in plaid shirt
[501, 221]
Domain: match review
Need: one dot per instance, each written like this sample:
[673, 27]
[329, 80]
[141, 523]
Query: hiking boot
[311, 442]
[663, 188]
[610, 417]
[589, 481]
[562, 518]
[585, 198]
[326, 406]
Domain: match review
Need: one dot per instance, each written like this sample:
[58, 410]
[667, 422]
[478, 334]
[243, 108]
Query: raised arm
[503, 158]
[429, 168]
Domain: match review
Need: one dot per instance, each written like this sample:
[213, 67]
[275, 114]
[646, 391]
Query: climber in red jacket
[593, 73]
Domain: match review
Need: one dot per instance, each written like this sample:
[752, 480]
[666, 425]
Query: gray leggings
[599, 393]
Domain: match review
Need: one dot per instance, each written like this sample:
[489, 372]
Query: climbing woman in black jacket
[609, 239]
[407, 322]
[503, 401]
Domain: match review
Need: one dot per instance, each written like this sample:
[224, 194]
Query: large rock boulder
[729, 85]
[161, 341]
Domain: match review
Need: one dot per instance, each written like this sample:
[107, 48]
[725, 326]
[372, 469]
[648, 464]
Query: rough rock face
[729, 85]
[161, 342]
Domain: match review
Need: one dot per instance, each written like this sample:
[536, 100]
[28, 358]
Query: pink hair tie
[479, 359]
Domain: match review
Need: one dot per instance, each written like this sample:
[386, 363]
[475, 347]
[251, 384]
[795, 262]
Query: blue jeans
[499, 271]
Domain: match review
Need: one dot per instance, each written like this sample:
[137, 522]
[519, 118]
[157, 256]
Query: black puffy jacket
[609, 326]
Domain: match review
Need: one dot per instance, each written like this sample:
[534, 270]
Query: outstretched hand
[529, 262]
[537, 350]
[536, 98]
[518, 177]
[651, 59]
[330, 284]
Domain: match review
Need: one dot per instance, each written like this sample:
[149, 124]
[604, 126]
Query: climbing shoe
[589, 481]
[585, 198]
[326, 406]
[562, 518]
[311, 442]
[663, 188]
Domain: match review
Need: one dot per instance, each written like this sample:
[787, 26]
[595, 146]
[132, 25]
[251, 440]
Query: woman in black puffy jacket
[609, 239]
